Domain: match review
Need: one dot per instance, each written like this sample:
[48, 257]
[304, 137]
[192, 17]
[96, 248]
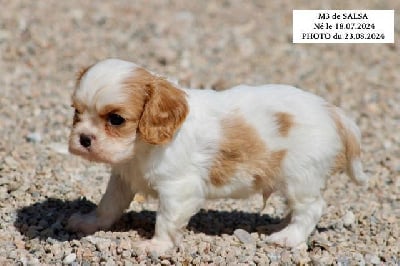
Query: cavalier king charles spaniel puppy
[185, 146]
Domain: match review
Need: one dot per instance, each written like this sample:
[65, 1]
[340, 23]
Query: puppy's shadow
[48, 219]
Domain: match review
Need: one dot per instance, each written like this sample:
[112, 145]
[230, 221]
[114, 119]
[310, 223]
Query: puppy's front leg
[177, 204]
[116, 199]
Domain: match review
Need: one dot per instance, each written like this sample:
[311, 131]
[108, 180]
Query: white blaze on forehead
[101, 85]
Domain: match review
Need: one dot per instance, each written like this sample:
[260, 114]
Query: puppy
[185, 146]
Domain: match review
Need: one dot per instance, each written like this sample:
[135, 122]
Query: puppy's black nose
[85, 140]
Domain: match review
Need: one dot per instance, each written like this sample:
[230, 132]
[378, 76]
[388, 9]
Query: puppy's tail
[351, 138]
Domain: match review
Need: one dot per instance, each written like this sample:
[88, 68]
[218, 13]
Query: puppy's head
[117, 104]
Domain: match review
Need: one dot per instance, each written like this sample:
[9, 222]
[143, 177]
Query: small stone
[343, 260]
[154, 256]
[391, 219]
[87, 254]
[10, 161]
[13, 186]
[110, 262]
[59, 148]
[75, 243]
[69, 258]
[387, 144]
[273, 257]
[127, 263]
[349, 218]
[322, 259]
[359, 258]
[92, 239]
[102, 245]
[322, 241]
[12, 254]
[246, 47]
[218, 260]
[165, 262]
[34, 137]
[126, 254]
[302, 246]
[286, 257]
[19, 244]
[243, 236]
[374, 259]
[204, 247]
[24, 261]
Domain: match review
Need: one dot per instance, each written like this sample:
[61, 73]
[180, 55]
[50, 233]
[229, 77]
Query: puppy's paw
[85, 223]
[154, 246]
[290, 237]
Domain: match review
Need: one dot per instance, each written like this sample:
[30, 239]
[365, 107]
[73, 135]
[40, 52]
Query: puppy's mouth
[81, 151]
[87, 153]
[94, 155]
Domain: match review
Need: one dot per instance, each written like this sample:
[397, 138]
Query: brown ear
[164, 112]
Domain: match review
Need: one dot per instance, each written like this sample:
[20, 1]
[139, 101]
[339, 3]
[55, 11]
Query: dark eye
[115, 119]
[76, 117]
[76, 114]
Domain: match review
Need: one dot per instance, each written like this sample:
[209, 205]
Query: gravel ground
[203, 44]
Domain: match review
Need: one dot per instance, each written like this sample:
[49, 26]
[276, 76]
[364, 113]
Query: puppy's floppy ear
[164, 112]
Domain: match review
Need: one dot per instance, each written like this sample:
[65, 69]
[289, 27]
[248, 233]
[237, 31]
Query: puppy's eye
[76, 118]
[115, 119]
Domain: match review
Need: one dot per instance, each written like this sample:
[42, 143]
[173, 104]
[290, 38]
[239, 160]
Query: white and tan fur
[185, 146]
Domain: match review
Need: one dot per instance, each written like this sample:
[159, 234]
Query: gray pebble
[34, 137]
[273, 257]
[102, 245]
[165, 262]
[128, 263]
[349, 218]
[69, 258]
[373, 259]
[154, 256]
[243, 236]
[126, 254]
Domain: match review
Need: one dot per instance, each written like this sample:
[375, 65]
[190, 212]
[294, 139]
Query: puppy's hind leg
[307, 206]
[116, 199]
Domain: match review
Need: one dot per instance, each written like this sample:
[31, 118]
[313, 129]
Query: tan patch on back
[285, 123]
[243, 150]
[351, 146]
